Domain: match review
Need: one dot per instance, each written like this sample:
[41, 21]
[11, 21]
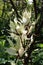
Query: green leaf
[11, 51]
[10, 42]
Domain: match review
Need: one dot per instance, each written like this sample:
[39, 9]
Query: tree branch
[35, 9]
[18, 16]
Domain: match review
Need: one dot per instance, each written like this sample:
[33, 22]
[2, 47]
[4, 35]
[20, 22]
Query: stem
[15, 9]
[35, 9]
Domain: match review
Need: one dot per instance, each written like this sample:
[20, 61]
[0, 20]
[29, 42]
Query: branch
[15, 9]
[29, 51]
[35, 9]
[14, 32]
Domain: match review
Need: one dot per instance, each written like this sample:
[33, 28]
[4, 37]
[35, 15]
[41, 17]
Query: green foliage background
[10, 43]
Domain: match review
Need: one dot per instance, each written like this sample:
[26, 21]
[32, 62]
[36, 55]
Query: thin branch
[14, 32]
[35, 9]
[15, 9]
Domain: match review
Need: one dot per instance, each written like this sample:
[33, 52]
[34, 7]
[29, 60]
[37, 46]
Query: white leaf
[30, 1]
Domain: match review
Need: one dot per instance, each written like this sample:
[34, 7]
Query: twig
[15, 9]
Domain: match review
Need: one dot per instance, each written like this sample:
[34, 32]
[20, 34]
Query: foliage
[21, 33]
